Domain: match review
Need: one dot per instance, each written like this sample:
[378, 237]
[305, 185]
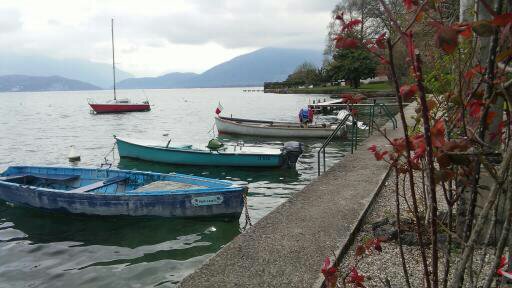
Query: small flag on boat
[219, 109]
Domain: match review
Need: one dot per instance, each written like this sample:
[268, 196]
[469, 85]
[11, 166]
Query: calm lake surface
[43, 249]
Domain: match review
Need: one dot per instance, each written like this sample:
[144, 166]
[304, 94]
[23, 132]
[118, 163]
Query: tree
[306, 73]
[455, 136]
[352, 65]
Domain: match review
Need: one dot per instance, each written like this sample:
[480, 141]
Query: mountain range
[98, 74]
[19, 83]
[252, 69]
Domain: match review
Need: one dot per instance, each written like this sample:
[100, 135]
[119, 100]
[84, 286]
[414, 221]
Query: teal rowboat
[225, 155]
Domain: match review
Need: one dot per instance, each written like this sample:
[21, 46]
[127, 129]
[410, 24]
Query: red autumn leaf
[326, 264]
[378, 154]
[419, 147]
[384, 61]
[329, 272]
[467, 32]
[410, 44]
[473, 71]
[346, 43]
[490, 117]
[360, 250]
[431, 104]
[355, 277]
[350, 25]
[408, 91]
[351, 99]
[349, 43]
[437, 134]
[419, 16]
[377, 245]
[498, 132]
[475, 107]
[398, 145]
[503, 262]
[446, 38]
[409, 4]
[380, 41]
[502, 20]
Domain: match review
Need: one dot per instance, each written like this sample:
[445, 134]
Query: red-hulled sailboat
[118, 105]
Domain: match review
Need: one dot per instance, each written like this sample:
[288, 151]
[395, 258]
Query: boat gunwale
[281, 152]
[234, 122]
[224, 186]
[131, 194]
[120, 104]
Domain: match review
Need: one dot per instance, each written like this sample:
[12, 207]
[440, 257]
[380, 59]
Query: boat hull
[119, 108]
[206, 158]
[264, 128]
[180, 204]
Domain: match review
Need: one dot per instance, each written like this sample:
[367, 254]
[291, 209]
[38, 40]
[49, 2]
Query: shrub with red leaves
[346, 43]
[330, 272]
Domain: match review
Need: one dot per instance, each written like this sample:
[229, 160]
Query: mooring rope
[212, 130]
[247, 217]
[106, 160]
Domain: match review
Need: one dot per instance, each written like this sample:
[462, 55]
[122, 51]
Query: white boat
[230, 125]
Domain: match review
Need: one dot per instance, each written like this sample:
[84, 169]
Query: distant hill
[252, 69]
[98, 74]
[37, 83]
[171, 80]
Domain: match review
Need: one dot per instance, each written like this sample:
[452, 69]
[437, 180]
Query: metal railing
[355, 129]
[329, 139]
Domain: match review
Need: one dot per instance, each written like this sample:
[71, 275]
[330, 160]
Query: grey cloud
[237, 24]
[10, 20]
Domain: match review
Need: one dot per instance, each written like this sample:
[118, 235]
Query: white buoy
[73, 156]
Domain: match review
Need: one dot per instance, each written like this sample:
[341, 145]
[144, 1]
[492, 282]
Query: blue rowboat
[120, 192]
[223, 155]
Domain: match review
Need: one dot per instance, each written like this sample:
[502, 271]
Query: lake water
[42, 249]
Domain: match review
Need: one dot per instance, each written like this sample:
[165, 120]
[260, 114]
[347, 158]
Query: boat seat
[99, 184]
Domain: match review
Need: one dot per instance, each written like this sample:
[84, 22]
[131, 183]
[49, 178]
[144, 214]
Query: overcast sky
[153, 37]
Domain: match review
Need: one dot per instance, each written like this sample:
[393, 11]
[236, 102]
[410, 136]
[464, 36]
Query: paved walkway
[287, 247]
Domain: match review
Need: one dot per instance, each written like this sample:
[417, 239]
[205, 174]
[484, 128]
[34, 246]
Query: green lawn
[341, 89]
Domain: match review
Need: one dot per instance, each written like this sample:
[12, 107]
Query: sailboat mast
[113, 59]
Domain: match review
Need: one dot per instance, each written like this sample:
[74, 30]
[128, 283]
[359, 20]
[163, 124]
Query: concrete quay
[287, 247]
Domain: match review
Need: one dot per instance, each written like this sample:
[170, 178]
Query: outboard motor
[292, 151]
